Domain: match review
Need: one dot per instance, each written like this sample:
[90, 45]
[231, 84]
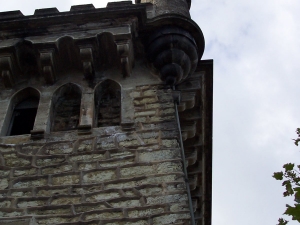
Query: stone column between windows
[5, 116]
[127, 108]
[43, 115]
[87, 109]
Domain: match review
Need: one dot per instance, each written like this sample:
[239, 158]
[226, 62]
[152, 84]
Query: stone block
[136, 171]
[90, 207]
[149, 93]
[21, 193]
[5, 203]
[105, 215]
[177, 207]
[99, 176]
[48, 161]
[13, 160]
[50, 211]
[68, 200]
[86, 157]
[57, 169]
[36, 182]
[103, 196]
[59, 148]
[4, 172]
[170, 218]
[85, 146]
[126, 204]
[107, 164]
[7, 148]
[145, 212]
[52, 191]
[31, 203]
[87, 166]
[56, 220]
[164, 199]
[170, 143]
[25, 172]
[121, 154]
[148, 191]
[87, 189]
[106, 143]
[142, 101]
[30, 149]
[157, 155]
[66, 179]
[11, 213]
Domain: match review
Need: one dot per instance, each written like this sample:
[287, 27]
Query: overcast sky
[256, 50]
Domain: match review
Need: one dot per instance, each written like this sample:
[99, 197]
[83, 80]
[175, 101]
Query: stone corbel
[86, 55]
[7, 71]
[125, 52]
[187, 101]
[48, 65]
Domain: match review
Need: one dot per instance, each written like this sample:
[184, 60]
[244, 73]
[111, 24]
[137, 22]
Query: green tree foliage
[291, 181]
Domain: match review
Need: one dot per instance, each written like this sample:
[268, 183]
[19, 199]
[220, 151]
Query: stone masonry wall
[108, 177]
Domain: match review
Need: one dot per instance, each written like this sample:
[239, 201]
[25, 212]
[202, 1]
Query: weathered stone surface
[67, 179]
[105, 215]
[41, 181]
[31, 203]
[87, 208]
[4, 173]
[61, 148]
[145, 212]
[66, 200]
[159, 155]
[53, 191]
[119, 177]
[166, 199]
[126, 204]
[89, 158]
[21, 193]
[5, 204]
[13, 160]
[25, 172]
[57, 220]
[103, 196]
[170, 218]
[50, 211]
[57, 169]
[99, 176]
[50, 161]
[10, 213]
[6, 148]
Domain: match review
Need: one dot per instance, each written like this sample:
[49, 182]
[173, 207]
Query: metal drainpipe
[176, 102]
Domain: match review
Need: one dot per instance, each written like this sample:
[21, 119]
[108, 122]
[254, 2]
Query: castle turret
[106, 116]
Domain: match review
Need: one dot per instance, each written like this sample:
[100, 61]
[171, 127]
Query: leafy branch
[291, 181]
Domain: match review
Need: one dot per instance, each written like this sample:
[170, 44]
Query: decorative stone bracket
[86, 55]
[48, 65]
[125, 51]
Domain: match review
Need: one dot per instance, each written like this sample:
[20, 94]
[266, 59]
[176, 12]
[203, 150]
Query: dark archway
[25, 104]
[66, 108]
[108, 104]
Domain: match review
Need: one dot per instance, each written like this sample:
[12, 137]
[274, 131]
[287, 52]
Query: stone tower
[105, 117]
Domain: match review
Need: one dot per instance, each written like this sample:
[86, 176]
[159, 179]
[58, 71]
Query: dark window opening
[108, 104]
[23, 117]
[67, 109]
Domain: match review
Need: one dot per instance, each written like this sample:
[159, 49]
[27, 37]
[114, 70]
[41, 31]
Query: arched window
[108, 104]
[66, 108]
[25, 105]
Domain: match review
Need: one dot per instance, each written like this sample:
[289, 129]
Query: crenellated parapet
[50, 43]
